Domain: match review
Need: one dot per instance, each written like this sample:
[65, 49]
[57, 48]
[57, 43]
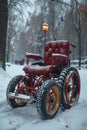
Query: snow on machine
[50, 84]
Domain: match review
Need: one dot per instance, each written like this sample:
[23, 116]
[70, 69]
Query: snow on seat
[37, 70]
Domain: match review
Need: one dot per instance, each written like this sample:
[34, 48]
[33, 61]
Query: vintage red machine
[49, 82]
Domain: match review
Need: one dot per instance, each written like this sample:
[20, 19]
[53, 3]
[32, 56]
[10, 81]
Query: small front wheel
[12, 88]
[48, 99]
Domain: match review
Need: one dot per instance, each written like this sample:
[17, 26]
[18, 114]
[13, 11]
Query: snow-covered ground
[28, 118]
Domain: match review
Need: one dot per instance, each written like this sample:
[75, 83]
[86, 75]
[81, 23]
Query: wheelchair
[49, 82]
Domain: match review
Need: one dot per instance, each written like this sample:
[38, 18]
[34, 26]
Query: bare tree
[3, 30]
[78, 25]
[15, 25]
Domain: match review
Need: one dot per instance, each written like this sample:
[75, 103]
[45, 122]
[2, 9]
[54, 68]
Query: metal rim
[20, 102]
[52, 100]
[72, 89]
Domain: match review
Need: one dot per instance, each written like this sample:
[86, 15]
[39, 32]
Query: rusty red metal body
[56, 58]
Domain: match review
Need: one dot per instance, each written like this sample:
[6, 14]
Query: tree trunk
[3, 30]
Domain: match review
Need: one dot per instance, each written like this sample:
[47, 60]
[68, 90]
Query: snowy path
[28, 118]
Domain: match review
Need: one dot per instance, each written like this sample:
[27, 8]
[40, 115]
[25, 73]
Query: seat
[55, 53]
[37, 69]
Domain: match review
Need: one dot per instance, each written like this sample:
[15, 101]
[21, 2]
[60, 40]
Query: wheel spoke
[72, 88]
[52, 100]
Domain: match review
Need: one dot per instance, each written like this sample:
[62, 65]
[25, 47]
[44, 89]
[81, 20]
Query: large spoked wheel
[69, 81]
[12, 88]
[48, 99]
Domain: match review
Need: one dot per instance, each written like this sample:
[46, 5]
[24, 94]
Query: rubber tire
[11, 87]
[62, 81]
[41, 97]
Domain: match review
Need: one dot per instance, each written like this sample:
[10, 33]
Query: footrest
[18, 96]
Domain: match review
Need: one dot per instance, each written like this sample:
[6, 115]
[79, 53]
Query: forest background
[67, 20]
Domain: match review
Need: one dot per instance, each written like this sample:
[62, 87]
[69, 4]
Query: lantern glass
[45, 27]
